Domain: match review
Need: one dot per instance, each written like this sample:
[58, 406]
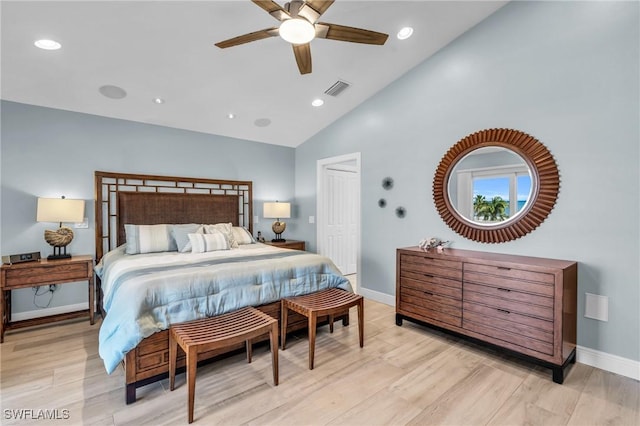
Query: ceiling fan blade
[303, 57]
[273, 9]
[319, 6]
[353, 35]
[246, 38]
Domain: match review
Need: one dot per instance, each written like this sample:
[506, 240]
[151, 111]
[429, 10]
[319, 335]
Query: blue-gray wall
[49, 153]
[566, 73]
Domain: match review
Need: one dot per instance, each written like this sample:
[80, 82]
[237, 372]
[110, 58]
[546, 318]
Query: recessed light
[158, 100]
[231, 116]
[47, 44]
[405, 33]
[112, 92]
[317, 102]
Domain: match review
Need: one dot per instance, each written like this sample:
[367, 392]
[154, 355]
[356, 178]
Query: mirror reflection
[490, 186]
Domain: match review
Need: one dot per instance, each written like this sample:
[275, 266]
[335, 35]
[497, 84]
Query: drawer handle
[428, 276]
[504, 268]
[504, 311]
[503, 289]
[428, 293]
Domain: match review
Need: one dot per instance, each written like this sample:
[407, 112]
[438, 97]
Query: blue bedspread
[145, 293]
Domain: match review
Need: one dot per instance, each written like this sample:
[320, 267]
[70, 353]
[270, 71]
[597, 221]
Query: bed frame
[148, 199]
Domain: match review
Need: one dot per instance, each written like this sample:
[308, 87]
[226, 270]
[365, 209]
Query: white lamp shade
[277, 210]
[60, 210]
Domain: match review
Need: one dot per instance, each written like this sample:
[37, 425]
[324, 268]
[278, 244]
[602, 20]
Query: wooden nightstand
[43, 272]
[289, 244]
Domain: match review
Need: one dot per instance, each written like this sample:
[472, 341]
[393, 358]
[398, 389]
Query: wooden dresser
[526, 305]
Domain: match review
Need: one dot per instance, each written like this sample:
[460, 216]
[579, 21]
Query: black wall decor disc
[401, 212]
[387, 183]
[382, 203]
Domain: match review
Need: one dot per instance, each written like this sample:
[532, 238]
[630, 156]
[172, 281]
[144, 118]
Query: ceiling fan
[299, 25]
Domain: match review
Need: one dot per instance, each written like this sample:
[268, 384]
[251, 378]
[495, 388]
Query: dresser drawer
[509, 338]
[425, 298]
[429, 313]
[505, 293]
[509, 305]
[511, 273]
[433, 287]
[508, 322]
[489, 312]
[431, 267]
[430, 305]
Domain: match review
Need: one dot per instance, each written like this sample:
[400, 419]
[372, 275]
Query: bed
[141, 294]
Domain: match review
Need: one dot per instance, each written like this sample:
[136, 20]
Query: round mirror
[496, 185]
[490, 186]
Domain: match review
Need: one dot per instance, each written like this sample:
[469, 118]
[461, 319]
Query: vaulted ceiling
[163, 49]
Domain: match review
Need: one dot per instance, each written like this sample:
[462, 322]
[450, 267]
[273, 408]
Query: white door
[338, 210]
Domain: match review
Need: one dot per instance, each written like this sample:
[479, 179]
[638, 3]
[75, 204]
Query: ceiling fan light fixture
[297, 31]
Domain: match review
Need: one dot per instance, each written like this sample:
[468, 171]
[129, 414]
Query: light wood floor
[403, 375]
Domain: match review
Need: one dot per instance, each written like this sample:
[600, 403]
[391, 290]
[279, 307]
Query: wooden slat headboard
[148, 199]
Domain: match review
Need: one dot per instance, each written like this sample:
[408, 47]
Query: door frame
[321, 233]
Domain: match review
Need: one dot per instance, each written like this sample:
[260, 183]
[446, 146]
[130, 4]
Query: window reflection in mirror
[490, 185]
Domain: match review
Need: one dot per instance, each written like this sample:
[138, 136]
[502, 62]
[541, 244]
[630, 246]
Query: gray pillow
[180, 234]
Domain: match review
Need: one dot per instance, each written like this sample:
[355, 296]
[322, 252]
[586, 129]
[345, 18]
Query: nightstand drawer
[289, 244]
[20, 277]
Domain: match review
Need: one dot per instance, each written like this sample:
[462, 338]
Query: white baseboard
[608, 362]
[377, 296]
[49, 311]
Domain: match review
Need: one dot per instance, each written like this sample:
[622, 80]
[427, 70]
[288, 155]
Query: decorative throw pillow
[148, 238]
[242, 236]
[214, 240]
[180, 234]
[225, 228]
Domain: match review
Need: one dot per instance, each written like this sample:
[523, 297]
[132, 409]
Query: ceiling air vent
[337, 88]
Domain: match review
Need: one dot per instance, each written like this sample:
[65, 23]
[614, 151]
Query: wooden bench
[327, 302]
[218, 332]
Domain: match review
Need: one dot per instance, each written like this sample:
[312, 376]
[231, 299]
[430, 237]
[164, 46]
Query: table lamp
[59, 210]
[277, 211]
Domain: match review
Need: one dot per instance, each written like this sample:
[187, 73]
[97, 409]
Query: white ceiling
[166, 49]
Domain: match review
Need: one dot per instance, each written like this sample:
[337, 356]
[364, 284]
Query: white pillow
[213, 241]
[242, 236]
[225, 228]
[148, 238]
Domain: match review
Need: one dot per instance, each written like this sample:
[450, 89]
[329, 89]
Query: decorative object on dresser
[509, 158]
[526, 305]
[289, 244]
[31, 274]
[59, 210]
[433, 243]
[277, 211]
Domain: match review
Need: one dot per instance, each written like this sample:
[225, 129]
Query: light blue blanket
[146, 293]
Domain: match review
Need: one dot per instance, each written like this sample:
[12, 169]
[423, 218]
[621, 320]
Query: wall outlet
[256, 219]
[82, 225]
[312, 219]
[596, 307]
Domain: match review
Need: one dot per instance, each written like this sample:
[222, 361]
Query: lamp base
[58, 256]
[278, 240]
[59, 252]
